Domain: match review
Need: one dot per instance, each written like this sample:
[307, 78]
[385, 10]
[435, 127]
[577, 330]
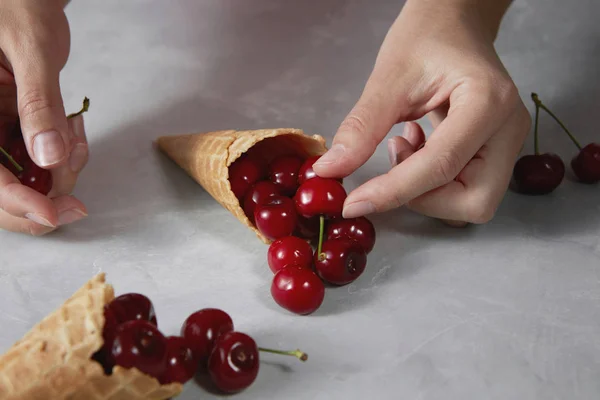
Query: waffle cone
[53, 360]
[206, 157]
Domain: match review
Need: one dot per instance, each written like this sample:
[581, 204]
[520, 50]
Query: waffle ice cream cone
[206, 157]
[53, 360]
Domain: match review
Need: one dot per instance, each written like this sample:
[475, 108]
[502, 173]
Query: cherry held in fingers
[320, 196]
[181, 364]
[358, 229]
[340, 261]
[297, 289]
[139, 344]
[283, 172]
[276, 217]
[289, 250]
[202, 328]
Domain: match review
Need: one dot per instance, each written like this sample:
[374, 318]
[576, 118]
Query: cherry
[244, 173]
[202, 328]
[586, 164]
[234, 362]
[132, 306]
[283, 172]
[538, 174]
[320, 196]
[258, 194]
[181, 364]
[307, 228]
[139, 344]
[109, 330]
[297, 289]
[37, 178]
[289, 250]
[358, 229]
[18, 151]
[276, 217]
[306, 171]
[340, 261]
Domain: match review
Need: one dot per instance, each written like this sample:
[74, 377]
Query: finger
[21, 201]
[70, 210]
[40, 105]
[438, 115]
[470, 123]
[402, 147]
[480, 187]
[413, 133]
[65, 176]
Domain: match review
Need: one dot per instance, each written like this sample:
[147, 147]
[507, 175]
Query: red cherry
[341, 261]
[258, 194]
[234, 362]
[202, 328]
[358, 229]
[36, 178]
[181, 364]
[132, 306]
[289, 250]
[320, 196]
[276, 217]
[283, 172]
[244, 173]
[586, 165]
[109, 330]
[297, 289]
[306, 171]
[307, 228]
[538, 174]
[18, 151]
[139, 344]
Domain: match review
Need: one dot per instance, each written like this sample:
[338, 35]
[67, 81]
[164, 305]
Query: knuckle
[482, 209]
[34, 101]
[446, 167]
[33, 229]
[355, 122]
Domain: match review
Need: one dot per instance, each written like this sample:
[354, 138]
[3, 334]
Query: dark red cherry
[243, 173]
[181, 364]
[538, 174]
[306, 171]
[283, 172]
[139, 344]
[586, 164]
[202, 328]
[132, 306]
[297, 289]
[258, 194]
[320, 196]
[276, 217]
[289, 250]
[358, 229]
[109, 330]
[307, 228]
[36, 178]
[341, 261]
[234, 363]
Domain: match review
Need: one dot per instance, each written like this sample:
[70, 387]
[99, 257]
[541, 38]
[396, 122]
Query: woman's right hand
[34, 47]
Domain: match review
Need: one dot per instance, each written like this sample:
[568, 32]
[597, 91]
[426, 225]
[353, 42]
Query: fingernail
[70, 216]
[48, 148]
[78, 157]
[406, 130]
[77, 126]
[38, 219]
[358, 209]
[393, 152]
[334, 154]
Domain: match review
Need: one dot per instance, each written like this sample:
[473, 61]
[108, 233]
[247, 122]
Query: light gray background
[509, 310]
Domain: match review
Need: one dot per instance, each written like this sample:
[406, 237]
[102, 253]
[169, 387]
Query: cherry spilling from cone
[312, 245]
[207, 344]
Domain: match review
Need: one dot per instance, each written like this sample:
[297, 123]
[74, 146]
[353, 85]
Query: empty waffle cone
[54, 359]
[206, 157]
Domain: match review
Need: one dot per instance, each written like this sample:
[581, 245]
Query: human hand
[34, 44]
[438, 60]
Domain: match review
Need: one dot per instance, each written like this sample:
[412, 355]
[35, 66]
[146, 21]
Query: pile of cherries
[298, 210]
[540, 174]
[207, 344]
[15, 158]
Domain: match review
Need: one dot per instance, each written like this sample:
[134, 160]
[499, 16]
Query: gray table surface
[508, 310]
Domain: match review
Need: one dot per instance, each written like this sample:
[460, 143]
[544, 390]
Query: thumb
[41, 112]
[369, 121]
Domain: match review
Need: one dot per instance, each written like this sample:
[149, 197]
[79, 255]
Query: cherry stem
[541, 105]
[12, 160]
[321, 233]
[536, 145]
[296, 353]
[84, 108]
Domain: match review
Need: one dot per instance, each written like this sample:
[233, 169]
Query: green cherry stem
[300, 355]
[536, 145]
[84, 108]
[321, 233]
[541, 105]
[12, 160]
